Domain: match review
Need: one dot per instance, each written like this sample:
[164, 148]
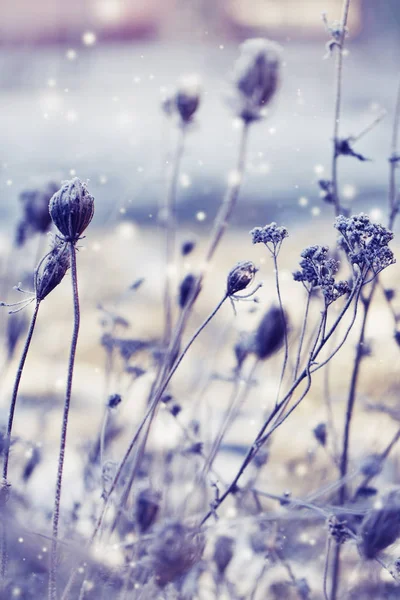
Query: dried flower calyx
[240, 277]
[256, 78]
[271, 235]
[317, 269]
[365, 243]
[71, 209]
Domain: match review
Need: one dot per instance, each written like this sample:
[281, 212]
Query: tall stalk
[56, 511]
[367, 301]
[338, 103]
[170, 230]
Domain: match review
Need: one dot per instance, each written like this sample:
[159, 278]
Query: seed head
[51, 270]
[365, 243]
[240, 277]
[256, 78]
[71, 209]
[271, 235]
[270, 333]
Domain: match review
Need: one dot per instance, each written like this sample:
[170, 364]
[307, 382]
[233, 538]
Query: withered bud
[240, 277]
[256, 77]
[379, 529]
[186, 289]
[320, 433]
[51, 270]
[147, 508]
[31, 463]
[114, 400]
[187, 247]
[270, 333]
[187, 97]
[71, 209]
[223, 552]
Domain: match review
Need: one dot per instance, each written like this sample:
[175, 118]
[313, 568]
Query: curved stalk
[56, 512]
[16, 388]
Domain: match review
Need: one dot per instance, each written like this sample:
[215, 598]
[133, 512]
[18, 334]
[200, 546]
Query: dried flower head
[174, 551]
[36, 217]
[51, 270]
[365, 243]
[71, 209]
[240, 277]
[271, 236]
[223, 552]
[256, 78]
[187, 97]
[185, 100]
[318, 270]
[270, 333]
[147, 508]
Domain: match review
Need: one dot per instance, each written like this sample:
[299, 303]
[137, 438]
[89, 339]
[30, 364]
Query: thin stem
[253, 450]
[63, 438]
[170, 231]
[237, 399]
[338, 103]
[278, 291]
[393, 207]
[326, 567]
[16, 388]
[156, 404]
[302, 334]
[393, 203]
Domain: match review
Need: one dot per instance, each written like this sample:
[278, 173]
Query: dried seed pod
[147, 508]
[174, 551]
[51, 270]
[240, 277]
[223, 552]
[71, 209]
[270, 333]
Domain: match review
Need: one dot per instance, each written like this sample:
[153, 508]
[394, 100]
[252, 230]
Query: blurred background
[81, 84]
